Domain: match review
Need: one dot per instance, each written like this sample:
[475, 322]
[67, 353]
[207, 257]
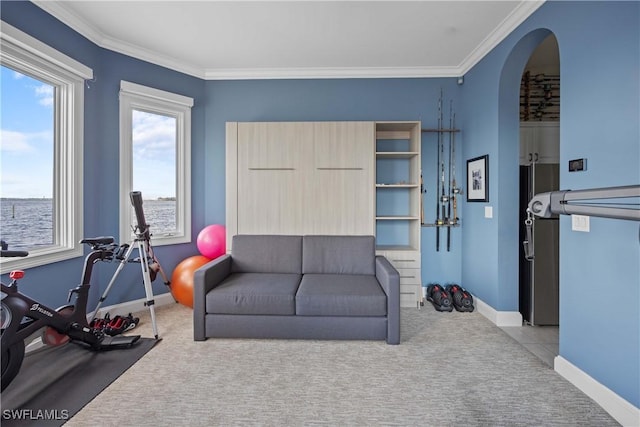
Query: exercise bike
[22, 316]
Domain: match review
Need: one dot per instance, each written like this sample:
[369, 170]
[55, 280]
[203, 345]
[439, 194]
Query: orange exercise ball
[182, 279]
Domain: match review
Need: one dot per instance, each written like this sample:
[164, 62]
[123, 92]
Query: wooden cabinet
[408, 265]
[340, 189]
[397, 190]
[539, 142]
[271, 168]
[300, 178]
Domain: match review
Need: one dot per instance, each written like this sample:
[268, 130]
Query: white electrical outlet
[580, 223]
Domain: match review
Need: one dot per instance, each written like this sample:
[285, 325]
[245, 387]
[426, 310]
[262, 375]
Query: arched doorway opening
[510, 243]
[539, 172]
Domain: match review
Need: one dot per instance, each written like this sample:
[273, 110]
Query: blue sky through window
[154, 154]
[26, 139]
[27, 148]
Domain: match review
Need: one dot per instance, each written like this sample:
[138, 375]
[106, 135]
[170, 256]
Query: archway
[540, 172]
[509, 168]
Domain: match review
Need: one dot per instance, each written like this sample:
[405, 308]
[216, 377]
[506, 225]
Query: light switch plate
[580, 223]
[488, 211]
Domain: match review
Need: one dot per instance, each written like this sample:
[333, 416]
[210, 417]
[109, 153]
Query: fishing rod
[449, 220]
[454, 187]
[438, 219]
[422, 191]
[443, 195]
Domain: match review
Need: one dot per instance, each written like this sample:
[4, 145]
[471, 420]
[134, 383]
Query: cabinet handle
[339, 169]
[536, 157]
[407, 277]
[530, 157]
[272, 169]
[404, 260]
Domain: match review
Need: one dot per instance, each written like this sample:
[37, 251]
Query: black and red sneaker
[462, 299]
[120, 324]
[439, 297]
[99, 323]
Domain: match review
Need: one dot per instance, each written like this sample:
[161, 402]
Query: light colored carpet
[451, 369]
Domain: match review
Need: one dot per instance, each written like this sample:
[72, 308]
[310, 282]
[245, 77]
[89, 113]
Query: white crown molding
[510, 23]
[12, 38]
[150, 56]
[63, 14]
[330, 73]
[515, 18]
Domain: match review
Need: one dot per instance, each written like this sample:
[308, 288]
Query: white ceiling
[298, 39]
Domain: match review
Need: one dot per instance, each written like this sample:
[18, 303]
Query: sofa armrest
[206, 278]
[389, 279]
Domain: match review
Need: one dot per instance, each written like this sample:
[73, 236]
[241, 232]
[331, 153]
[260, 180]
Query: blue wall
[337, 99]
[599, 45]
[599, 54]
[51, 283]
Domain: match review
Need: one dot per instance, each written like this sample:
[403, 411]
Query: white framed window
[56, 224]
[155, 159]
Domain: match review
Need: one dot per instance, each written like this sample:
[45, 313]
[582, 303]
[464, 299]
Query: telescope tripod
[150, 268]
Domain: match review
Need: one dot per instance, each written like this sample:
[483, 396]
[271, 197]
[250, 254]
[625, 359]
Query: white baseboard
[620, 409]
[134, 306]
[499, 318]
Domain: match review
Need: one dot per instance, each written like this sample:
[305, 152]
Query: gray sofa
[299, 287]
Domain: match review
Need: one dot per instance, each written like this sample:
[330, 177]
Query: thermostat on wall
[577, 165]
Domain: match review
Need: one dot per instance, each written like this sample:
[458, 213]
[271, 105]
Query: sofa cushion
[338, 255]
[254, 293]
[340, 295]
[266, 254]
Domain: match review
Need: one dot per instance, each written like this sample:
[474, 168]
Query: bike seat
[103, 240]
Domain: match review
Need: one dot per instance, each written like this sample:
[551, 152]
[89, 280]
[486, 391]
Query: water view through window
[26, 160]
[154, 168]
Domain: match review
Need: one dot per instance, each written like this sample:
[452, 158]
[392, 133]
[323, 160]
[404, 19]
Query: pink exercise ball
[212, 241]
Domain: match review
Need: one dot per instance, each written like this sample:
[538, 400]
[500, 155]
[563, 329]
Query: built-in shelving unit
[397, 190]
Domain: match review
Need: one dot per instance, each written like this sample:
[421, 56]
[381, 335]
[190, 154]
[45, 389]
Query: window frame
[143, 98]
[24, 53]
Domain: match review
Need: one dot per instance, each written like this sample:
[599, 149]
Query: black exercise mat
[55, 383]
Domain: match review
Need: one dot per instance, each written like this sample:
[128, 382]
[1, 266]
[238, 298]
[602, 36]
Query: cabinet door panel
[342, 202]
[277, 145]
[341, 191]
[269, 202]
[344, 145]
[272, 177]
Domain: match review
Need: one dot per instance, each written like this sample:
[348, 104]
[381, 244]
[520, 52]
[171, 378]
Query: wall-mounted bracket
[598, 202]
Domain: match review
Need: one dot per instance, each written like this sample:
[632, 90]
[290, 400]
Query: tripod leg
[123, 262]
[144, 263]
[155, 261]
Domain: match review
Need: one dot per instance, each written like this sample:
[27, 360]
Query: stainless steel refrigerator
[539, 281]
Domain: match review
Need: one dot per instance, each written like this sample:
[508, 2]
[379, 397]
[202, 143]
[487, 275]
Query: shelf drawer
[404, 259]
[410, 295]
[409, 276]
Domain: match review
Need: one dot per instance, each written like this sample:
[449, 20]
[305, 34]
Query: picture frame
[478, 179]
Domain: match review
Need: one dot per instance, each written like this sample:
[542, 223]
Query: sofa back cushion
[338, 255]
[266, 254]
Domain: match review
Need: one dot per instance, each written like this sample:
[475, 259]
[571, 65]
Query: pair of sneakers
[450, 297]
[115, 326]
